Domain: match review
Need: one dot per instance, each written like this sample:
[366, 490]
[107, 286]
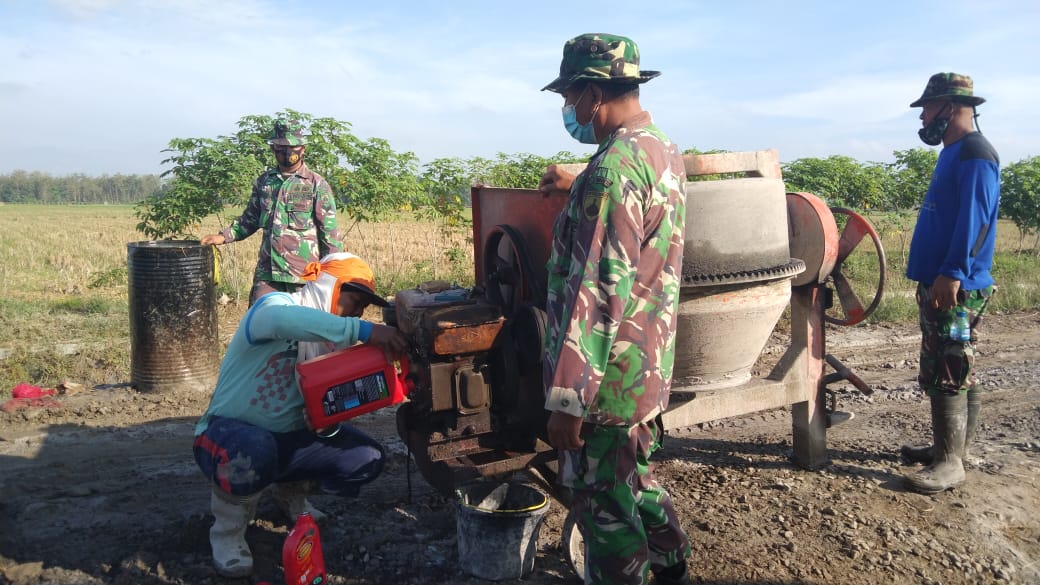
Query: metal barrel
[173, 317]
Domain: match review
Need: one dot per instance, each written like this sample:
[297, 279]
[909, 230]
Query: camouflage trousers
[948, 366]
[262, 287]
[626, 519]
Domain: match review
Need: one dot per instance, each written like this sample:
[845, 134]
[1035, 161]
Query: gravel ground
[105, 491]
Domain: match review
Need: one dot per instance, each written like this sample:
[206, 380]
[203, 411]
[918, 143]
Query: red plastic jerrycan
[302, 559]
[350, 382]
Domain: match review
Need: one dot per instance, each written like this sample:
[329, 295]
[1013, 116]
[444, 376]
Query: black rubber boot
[674, 575]
[974, 404]
[923, 453]
[947, 468]
[917, 453]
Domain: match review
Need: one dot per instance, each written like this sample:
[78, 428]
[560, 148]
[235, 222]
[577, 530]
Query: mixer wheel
[856, 228]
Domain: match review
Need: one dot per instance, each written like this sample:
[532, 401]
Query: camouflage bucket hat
[951, 86]
[599, 57]
[287, 133]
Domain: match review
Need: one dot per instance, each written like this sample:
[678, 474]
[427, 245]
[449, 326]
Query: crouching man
[255, 434]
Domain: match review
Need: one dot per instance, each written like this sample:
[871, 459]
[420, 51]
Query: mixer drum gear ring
[794, 267]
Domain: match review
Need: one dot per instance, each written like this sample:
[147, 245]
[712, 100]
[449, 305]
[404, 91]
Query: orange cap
[348, 270]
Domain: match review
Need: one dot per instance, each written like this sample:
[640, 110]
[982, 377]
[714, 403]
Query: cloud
[83, 9]
[865, 99]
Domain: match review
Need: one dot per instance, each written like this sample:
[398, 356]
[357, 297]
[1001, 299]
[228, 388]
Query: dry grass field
[63, 284]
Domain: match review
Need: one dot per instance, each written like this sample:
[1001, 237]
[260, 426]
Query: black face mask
[932, 134]
[288, 157]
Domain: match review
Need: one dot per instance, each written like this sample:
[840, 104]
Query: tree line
[371, 180]
[37, 187]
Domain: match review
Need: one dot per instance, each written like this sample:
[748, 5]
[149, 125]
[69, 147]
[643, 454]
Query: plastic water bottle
[960, 329]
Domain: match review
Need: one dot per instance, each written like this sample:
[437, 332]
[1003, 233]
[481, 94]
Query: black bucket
[173, 316]
[497, 528]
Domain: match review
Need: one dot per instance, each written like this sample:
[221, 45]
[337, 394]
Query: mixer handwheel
[856, 228]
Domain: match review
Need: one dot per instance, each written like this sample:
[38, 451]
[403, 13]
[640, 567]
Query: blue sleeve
[275, 320]
[978, 194]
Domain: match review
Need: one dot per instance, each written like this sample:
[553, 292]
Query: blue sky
[101, 86]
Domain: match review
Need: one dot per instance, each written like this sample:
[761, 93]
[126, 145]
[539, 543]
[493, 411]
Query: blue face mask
[583, 133]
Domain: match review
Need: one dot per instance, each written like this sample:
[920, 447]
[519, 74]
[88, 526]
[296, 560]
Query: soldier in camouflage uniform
[297, 211]
[614, 277]
[950, 258]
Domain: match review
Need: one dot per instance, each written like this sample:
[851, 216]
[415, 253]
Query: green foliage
[368, 178]
[445, 191]
[37, 187]
[519, 171]
[714, 177]
[206, 175]
[87, 306]
[380, 181]
[1020, 196]
[112, 277]
[840, 180]
[911, 175]
[445, 185]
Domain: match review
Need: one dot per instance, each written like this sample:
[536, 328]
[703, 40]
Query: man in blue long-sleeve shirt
[950, 258]
[255, 435]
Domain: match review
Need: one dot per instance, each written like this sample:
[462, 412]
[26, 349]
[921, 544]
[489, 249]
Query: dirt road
[104, 491]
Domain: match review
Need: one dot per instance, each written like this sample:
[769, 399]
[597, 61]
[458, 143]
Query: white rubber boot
[227, 537]
[291, 499]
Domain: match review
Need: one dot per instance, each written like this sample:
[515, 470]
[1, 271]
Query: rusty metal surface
[529, 211]
[462, 328]
[813, 235]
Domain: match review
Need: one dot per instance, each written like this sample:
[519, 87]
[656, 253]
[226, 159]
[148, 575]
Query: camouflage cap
[599, 57]
[287, 133]
[951, 86]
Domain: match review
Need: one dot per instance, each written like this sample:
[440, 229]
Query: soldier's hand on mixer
[390, 339]
[565, 431]
[555, 179]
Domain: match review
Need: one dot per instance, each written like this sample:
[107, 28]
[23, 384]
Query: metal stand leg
[809, 415]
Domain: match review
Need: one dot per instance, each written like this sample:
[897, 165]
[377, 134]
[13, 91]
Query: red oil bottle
[349, 382]
[302, 559]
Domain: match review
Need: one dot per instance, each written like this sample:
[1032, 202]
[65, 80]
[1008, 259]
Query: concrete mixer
[751, 251]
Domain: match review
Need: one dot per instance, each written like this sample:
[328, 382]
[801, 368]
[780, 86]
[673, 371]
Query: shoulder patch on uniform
[601, 177]
[593, 199]
[596, 186]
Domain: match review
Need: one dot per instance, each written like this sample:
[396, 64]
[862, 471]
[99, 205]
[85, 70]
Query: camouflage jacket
[614, 277]
[298, 216]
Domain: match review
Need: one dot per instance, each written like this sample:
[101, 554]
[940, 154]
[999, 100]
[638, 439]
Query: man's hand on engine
[393, 342]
